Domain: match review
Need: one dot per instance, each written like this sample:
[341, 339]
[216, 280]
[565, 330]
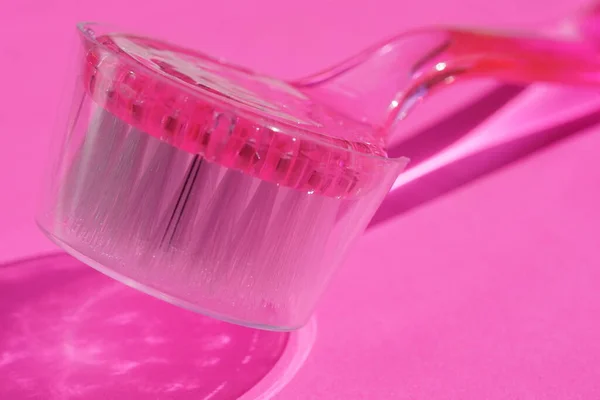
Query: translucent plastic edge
[297, 350]
[89, 33]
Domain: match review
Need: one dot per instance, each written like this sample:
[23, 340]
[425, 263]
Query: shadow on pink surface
[463, 170]
[69, 332]
[431, 140]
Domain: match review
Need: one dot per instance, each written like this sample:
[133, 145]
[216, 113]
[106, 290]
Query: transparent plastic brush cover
[235, 194]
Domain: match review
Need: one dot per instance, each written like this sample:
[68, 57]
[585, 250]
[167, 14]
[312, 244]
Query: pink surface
[75, 333]
[485, 285]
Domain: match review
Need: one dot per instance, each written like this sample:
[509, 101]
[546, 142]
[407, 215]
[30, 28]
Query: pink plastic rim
[260, 126]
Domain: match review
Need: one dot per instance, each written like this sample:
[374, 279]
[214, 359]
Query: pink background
[479, 278]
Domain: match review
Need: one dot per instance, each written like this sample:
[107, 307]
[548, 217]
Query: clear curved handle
[382, 84]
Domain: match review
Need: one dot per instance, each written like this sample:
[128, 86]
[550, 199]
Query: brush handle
[523, 59]
[413, 65]
[507, 58]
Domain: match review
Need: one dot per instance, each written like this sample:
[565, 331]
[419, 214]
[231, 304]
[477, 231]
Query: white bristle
[197, 231]
[90, 164]
[116, 188]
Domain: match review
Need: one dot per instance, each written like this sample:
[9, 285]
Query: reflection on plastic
[69, 332]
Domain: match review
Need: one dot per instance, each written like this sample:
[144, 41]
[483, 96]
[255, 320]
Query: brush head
[205, 185]
[231, 116]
